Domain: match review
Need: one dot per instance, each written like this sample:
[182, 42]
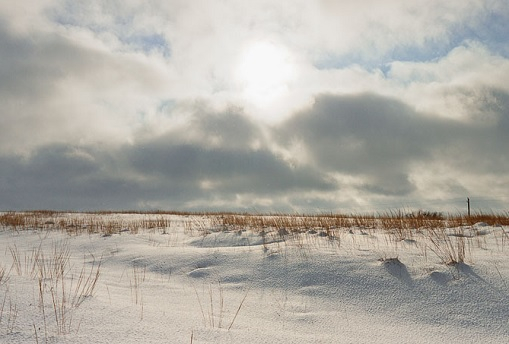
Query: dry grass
[137, 279]
[61, 289]
[13, 220]
[4, 275]
[213, 308]
[452, 248]
[109, 223]
[432, 229]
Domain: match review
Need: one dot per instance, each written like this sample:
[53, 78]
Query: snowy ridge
[205, 284]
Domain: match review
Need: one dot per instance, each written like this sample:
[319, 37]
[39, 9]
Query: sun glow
[264, 71]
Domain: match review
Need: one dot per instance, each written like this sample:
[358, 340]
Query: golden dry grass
[104, 222]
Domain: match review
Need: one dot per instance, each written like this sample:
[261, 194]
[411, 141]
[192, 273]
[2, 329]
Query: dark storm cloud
[484, 143]
[380, 139]
[55, 178]
[216, 149]
[163, 171]
[228, 129]
[377, 139]
[235, 171]
[364, 135]
[65, 177]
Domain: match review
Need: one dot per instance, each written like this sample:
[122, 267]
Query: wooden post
[468, 204]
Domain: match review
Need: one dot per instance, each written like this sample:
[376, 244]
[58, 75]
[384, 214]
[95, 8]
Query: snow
[196, 282]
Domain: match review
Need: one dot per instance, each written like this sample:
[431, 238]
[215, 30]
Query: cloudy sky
[291, 105]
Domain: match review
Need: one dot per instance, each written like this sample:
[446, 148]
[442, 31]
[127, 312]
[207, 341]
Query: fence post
[468, 204]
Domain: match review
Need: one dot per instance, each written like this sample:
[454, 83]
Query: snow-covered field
[188, 280]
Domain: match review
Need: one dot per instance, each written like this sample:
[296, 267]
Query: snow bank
[242, 286]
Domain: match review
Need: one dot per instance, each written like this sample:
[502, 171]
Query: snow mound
[236, 239]
[207, 286]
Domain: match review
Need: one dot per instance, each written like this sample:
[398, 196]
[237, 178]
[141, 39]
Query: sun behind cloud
[263, 72]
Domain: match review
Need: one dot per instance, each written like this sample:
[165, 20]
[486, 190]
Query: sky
[259, 106]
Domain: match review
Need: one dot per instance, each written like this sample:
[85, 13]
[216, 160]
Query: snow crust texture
[193, 282]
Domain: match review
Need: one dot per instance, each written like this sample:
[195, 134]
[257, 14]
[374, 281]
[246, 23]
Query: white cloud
[122, 75]
[456, 86]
